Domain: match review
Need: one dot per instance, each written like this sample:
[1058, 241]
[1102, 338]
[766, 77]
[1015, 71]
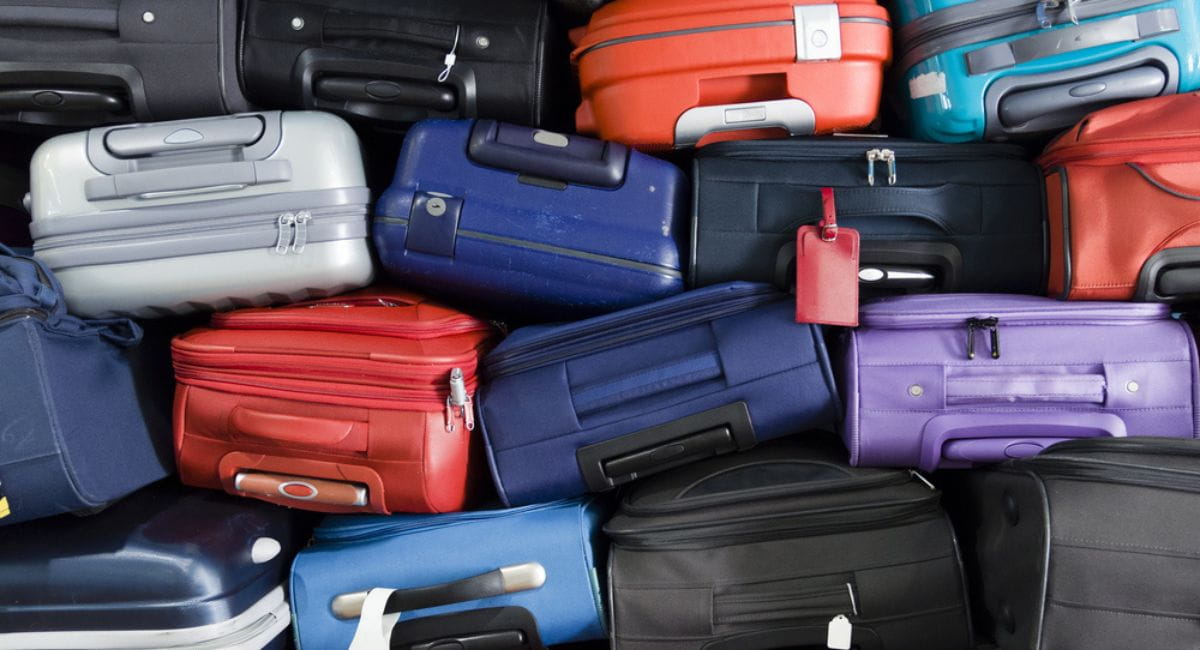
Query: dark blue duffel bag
[72, 431]
[531, 223]
[594, 404]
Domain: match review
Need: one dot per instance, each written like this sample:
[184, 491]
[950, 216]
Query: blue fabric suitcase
[531, 223]
[1000, 69]
[594, 404]
[74, 431]
[166, 568]
[531, 575]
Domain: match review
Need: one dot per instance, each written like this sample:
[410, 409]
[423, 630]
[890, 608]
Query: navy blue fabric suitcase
[531, 223]
[594, 404]
[73, 427]
[168, 567]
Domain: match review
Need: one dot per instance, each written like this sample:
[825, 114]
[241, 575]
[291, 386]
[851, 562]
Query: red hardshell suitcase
[357, 403]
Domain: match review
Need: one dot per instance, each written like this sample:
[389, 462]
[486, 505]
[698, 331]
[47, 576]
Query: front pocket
[786, 601]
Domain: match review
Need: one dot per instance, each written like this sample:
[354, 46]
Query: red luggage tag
[827, 270]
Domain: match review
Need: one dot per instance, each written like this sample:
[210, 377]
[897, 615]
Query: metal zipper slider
[921, 477]
[992, 324]
[459, 400]
[881, 155]
[872, 157]
[1043, 13]
[300, 239]
[284, 223]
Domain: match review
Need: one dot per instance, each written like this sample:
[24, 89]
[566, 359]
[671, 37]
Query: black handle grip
[430, 95]
[60, 100]
[570, 158]
[499, 640]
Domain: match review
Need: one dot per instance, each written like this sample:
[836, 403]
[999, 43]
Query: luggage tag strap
[828, 225]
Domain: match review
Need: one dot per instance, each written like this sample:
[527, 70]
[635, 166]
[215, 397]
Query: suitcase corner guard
[726, 429]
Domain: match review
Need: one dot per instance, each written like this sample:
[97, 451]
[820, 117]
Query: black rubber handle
[59, 100]
[434, 96]
[499, 640]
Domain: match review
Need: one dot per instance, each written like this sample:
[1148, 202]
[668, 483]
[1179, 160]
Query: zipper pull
[459, 400]
[888, 156]
[971, 338]
[872, 157]
[921, 477]
[284, 223]
[992, 325]
[300, 239]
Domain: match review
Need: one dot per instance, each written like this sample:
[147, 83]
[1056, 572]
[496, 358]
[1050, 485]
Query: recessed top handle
[146, 140]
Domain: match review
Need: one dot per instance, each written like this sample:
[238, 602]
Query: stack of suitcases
[642, 324]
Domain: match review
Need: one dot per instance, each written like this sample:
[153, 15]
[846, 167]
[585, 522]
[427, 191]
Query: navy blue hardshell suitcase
[531, 223]
[73, 428]
[168, 567]
[591, 405]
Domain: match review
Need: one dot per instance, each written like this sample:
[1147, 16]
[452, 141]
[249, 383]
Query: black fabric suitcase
[78, 63]
[1091, 544]
[765, 548]
[385, 61]
[933, 217]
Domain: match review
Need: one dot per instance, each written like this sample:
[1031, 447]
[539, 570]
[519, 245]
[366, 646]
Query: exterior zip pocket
[790, 600]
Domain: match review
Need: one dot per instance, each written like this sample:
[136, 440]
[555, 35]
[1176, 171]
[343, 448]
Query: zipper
[297, 320]
[459, 401]
[1115, 149]
[791, 22]
[1061, 314]
[604, 332]
[1116, 472]
[991, 324]
[852, 149]
[886, 156]
[22, 314]
[549, 248]
[801, 523]
[796, 604]
[293, 232]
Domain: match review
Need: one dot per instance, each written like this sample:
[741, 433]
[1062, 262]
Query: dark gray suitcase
[80, 63]
[1091, 544]
[766, 548]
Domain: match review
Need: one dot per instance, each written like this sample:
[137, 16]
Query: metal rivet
[148, 17]
[297, 23]
[435, 207]
[1132, 386]
[482, 42]
[916, 390]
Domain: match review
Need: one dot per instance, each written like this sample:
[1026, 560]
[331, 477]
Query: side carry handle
[1070, 101]
[429, 95]
[569, 158]
[490, 628]
[505, 580]
[792, 115]
[60, 100]
[1171, 275]
[605, 465]
[967, 438]
[890, 266]
[145, 140]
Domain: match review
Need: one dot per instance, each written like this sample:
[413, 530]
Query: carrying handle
[1172, 274]
[60, 100]
[406, 92]
[889, 266]
[796, 638]
[505, 580]
[968, 437]
[195, 179]
[58, 17]
[145, 140]
[1078, 98]
[793, 115]
[569, 158]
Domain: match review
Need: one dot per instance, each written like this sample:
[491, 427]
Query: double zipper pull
[992, 324]
[284, 240]
[885, 156]
[459, 401]
[300, 239]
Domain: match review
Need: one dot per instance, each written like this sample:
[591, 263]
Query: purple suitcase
[950, 381]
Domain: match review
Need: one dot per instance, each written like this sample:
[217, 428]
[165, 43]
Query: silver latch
[885, 156]
[818, 32]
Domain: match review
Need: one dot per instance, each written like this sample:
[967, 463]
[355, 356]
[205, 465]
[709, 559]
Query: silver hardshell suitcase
[216, 213]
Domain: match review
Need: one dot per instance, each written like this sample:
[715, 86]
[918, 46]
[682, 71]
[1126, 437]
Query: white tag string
[451, 58]
[374, 630]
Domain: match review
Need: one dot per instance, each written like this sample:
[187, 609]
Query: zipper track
[22, 314]
[852, 149]
[606, 332]
[1117, 472]
[1115, 149]
[433, 398]
[682, 32]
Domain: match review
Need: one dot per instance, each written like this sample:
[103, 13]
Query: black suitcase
[1091, 544]
[766, 548]
[72, 64]
[933, 217]
[385, 61]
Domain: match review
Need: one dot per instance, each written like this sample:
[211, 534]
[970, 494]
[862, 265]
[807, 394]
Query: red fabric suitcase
[358, 403]
[661, 73]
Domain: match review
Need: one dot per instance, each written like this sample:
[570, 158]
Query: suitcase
[598, 403]
[661, 73]
[954, 380]
[778, 547]
[164, 219]
[1006, 69]
[529, 222]
[76, 432]
[522, 577]
[1090, 544]
[393, 62]
[165, 568]
[360, 403]
[931, 216]
[1123, 189]
[69, 65]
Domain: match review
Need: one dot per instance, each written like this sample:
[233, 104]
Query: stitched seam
[1000, 364]
[1045, 409]
[1113, 610]
[1113, 546]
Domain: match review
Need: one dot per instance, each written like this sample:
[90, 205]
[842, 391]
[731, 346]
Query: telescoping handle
[569, 158]
[792, 115]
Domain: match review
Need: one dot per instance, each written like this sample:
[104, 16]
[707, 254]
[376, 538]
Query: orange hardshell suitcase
[1123, 191]
[663, 73]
